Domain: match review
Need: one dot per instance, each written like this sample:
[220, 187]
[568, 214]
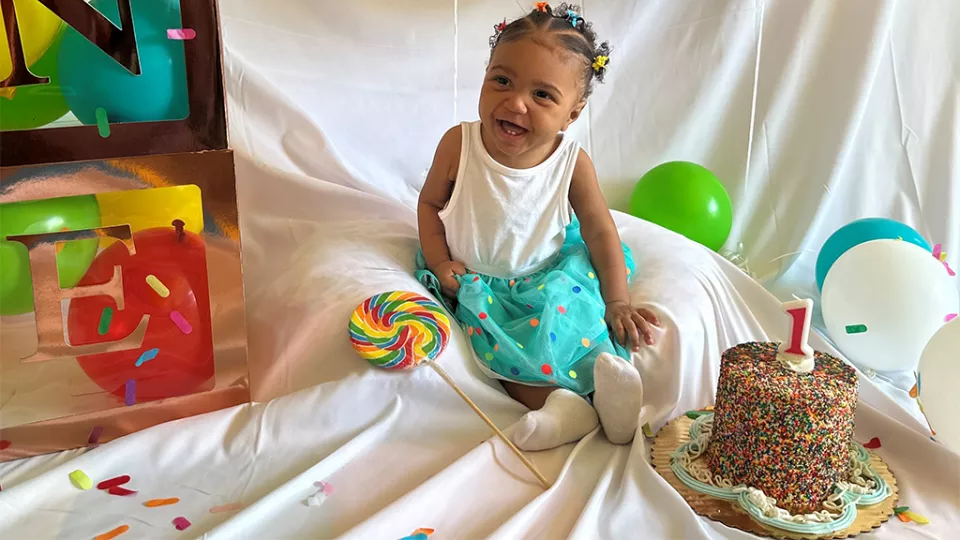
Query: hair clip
[573, 17]
[600, 62]
[540, 6]
[500, 26]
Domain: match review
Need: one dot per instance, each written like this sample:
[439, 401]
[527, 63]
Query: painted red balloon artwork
[165, 278]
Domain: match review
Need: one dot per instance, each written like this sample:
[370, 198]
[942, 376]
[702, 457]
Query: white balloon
[898, 291]
[939, 382]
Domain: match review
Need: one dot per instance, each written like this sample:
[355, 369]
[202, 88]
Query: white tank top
[507, 222]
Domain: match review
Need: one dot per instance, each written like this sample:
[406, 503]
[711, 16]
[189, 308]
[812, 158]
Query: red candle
[796, 351]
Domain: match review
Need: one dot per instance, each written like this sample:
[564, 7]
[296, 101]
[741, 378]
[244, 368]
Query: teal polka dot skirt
[545, 329]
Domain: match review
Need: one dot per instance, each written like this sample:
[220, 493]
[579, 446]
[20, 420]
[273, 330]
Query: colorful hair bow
[939, 255]
[500, 26]
[573, 17]
[600, 62]
[540, 6]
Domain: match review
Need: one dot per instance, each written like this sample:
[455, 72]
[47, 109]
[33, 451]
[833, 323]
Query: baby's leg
[558, 417]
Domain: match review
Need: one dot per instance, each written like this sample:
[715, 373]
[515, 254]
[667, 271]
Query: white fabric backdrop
[855, 105]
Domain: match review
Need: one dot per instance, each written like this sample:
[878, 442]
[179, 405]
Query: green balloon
[687, 199]
[36, 105]
[34, 217]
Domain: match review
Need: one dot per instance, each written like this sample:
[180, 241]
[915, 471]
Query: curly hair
[569, 29]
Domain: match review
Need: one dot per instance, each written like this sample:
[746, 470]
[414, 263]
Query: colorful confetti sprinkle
[693, 415]
[115, 481]
[153, 503]
[181, 34]
[482, 315]
[157, 286]
[105, 317]
[113, 533]
[546, 369]
[147, 356]
[232, 507]
[872, 444]
[80, 480]
[950, 317]
[181, 322]
[95, 433]
[325, 487]
[900, 509]
[121, 491]
[181, 523]
[130, 392]
[915, 517]
[903, 517]
[647, 431]
[572, 374]
[534, 322]
[856, 328]
[103, 124]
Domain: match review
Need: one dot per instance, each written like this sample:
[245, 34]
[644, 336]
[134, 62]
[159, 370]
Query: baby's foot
[618, 397]
[564, 418]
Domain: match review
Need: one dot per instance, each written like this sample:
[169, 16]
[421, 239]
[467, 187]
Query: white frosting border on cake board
[864, 488]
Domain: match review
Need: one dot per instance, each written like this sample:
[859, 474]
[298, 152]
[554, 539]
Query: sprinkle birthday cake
[785, 433]
[779, 442]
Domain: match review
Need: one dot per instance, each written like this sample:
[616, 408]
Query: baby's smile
[510, 129]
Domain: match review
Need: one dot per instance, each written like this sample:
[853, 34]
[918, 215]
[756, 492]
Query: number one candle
[795, 353]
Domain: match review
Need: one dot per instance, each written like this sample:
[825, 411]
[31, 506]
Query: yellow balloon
[38, 27]
[155, 207]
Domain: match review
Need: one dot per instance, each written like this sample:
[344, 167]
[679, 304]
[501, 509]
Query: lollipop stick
[533, 468]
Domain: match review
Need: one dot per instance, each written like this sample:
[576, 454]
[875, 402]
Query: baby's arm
[433, 198]
[602, 239]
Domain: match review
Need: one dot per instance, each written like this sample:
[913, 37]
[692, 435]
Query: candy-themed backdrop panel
[121, 300]
[109, 78]
[169, 323]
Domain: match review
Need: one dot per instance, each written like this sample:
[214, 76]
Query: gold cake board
[677, 432]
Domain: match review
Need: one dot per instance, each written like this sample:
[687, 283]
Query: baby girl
[516, 233]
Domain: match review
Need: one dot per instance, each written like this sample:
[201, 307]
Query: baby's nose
[516, 104]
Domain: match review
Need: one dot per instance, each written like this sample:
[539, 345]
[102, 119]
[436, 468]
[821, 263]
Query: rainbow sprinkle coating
[783, 432]
[398, 330]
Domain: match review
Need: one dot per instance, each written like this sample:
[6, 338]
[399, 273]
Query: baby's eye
[501, 80]
[541, 94]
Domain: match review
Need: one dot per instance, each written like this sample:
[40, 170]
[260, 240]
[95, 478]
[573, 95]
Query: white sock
[564, 418]
[618, 397]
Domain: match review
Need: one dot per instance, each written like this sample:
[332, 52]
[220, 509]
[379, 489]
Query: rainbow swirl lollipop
[398, 330]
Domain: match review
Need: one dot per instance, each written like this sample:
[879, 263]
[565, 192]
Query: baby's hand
[447, 273]
[629, 322]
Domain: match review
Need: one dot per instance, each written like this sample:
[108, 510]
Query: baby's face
[531, 93]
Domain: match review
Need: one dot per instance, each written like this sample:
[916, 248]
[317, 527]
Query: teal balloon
[96, 80]
[36, 105]
[859, 232]
[43, 216]
[687, 199]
